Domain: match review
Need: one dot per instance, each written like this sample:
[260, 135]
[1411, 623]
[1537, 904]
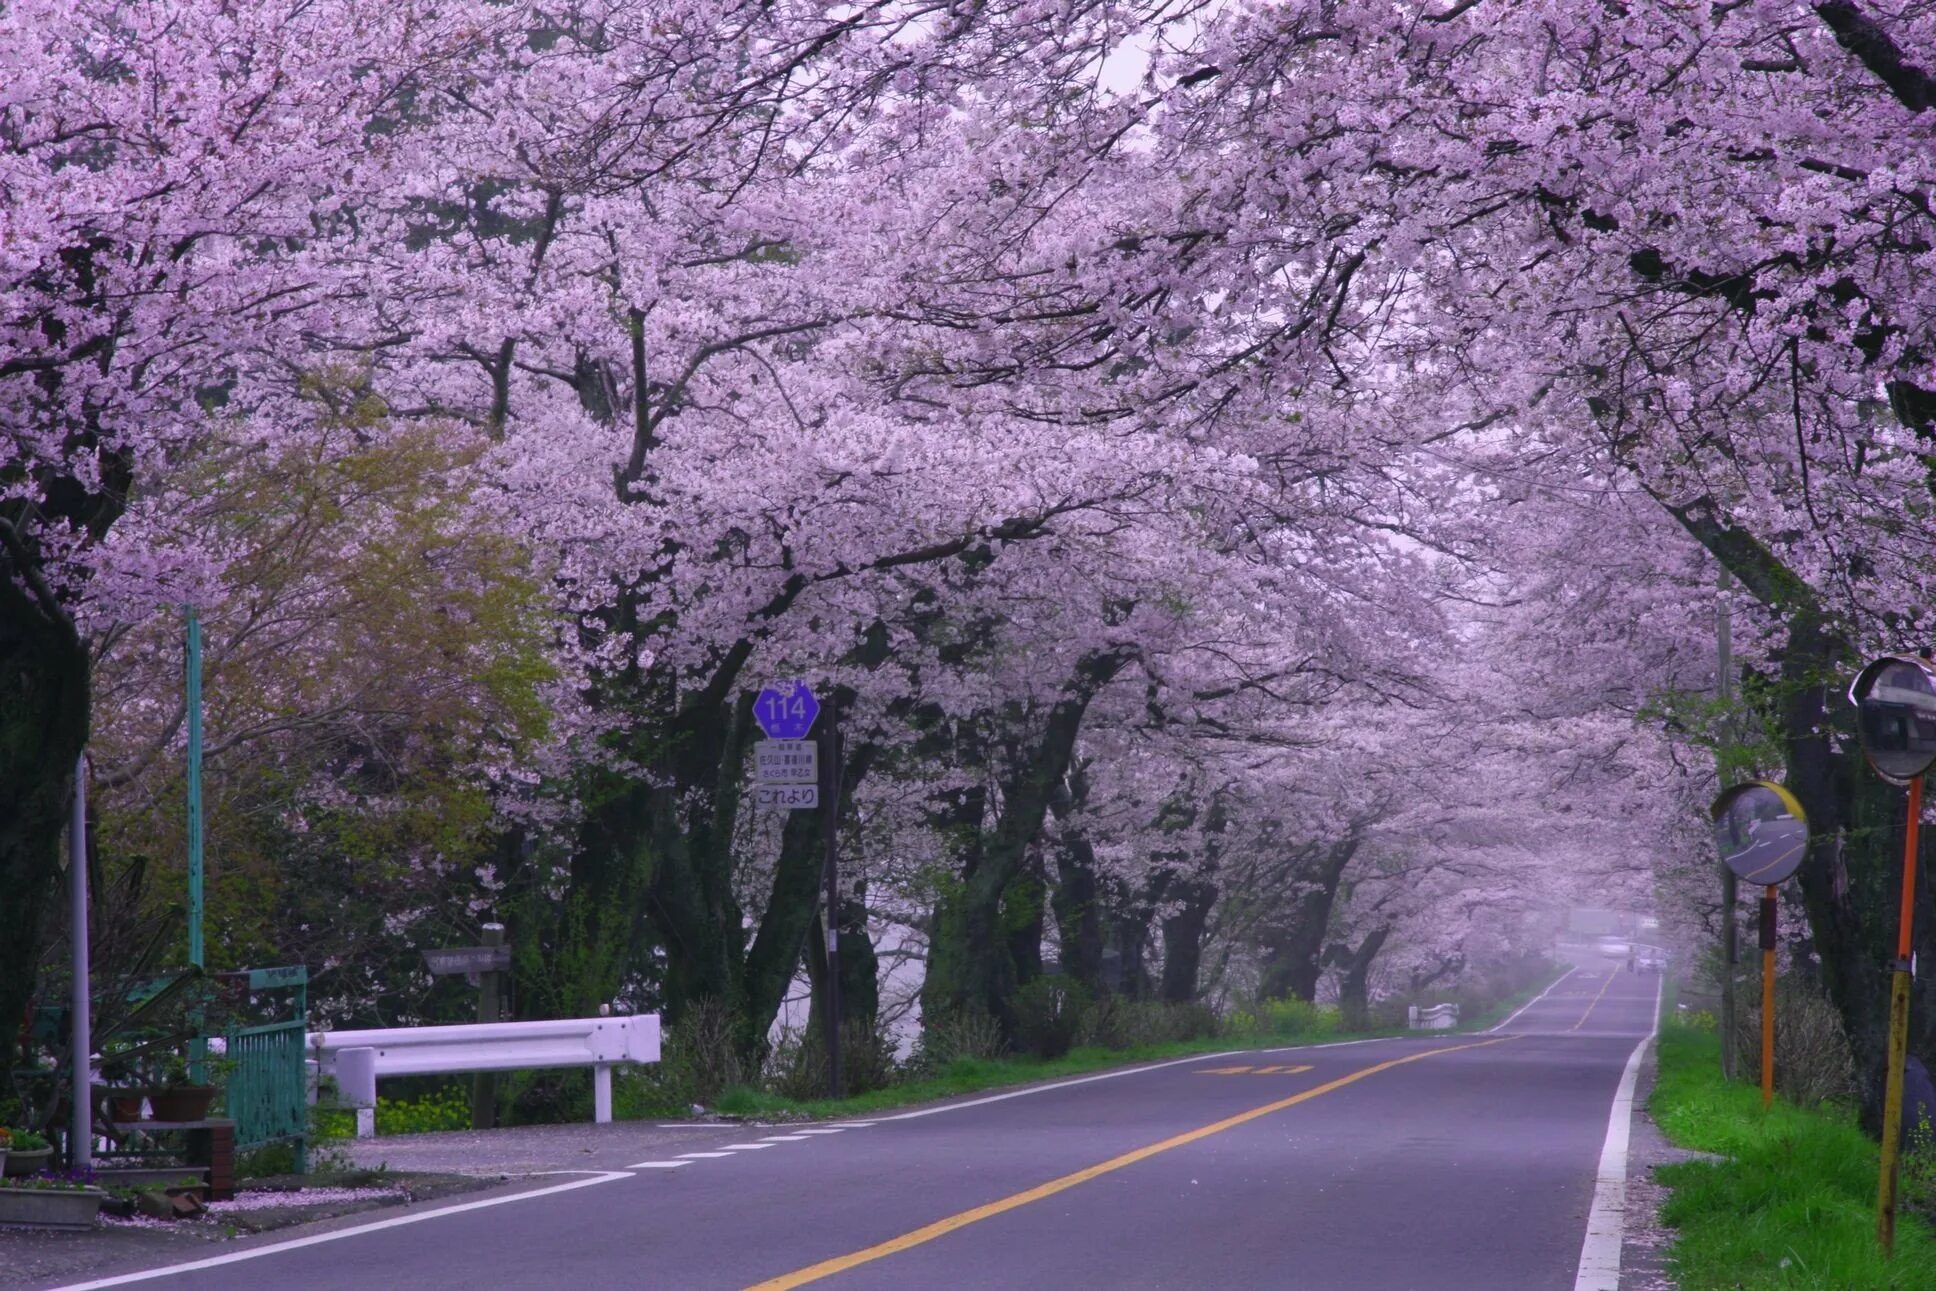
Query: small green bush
[1111, 1022]
[448, 1108]
[798, 1066]
[1291, 1019]
[952, 1037]
[699, 1060]
[1813, 1062]
[1048, 1011]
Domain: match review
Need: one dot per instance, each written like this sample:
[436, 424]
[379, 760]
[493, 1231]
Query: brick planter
[69, 1208]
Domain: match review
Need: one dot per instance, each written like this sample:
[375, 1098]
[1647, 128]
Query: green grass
[1792, 1206]
[975, 1075]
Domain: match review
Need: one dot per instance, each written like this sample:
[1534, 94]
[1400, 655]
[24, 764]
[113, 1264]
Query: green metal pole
[198, 1047]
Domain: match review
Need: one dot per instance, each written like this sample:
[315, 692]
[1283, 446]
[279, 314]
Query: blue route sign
[786, 711]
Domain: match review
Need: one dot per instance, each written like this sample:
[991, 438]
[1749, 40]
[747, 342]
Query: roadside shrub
[798, 1066]
[448, 1108]
[1291, 1019]
[697, 1061]
[699, 1055]
[1813, 1062]
[950, 1037]
[1111, 1022]
[1047, 1012]
[1919, 1169]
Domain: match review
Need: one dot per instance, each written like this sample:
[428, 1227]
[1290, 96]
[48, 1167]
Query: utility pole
[80, 1147]
[1724, 692]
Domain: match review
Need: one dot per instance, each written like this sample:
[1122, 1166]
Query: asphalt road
[1438, 1162]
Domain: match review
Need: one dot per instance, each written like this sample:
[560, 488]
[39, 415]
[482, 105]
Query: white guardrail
[355, 1060]
[1440, 1017]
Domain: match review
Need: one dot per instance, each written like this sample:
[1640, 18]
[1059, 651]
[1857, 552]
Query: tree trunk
[1077, 898]
[1293, 949]
[1024, 911]
[1354, 987]
[1183, 939]
[44, 699]
[970, 963]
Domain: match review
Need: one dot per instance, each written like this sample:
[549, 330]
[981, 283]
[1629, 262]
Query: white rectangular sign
[786, 762]
[786, 797]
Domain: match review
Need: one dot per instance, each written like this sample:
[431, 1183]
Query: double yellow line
[942, 1227]
[1611, 974]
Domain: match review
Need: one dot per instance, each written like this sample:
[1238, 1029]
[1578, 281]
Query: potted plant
[66, 1200]
[175, 1094]
[123, 1098]
[27, 1153]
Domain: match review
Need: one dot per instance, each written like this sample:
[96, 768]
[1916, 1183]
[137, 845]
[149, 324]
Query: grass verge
[1793, 1204]
[977, 1075]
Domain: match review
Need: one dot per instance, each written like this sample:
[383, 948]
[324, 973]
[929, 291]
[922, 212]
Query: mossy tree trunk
[1294, 943]
[970, 960]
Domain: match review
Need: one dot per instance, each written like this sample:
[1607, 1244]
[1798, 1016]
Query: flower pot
[18, 1161]
[181, 1102]
[124, 1101]
[70, 1208]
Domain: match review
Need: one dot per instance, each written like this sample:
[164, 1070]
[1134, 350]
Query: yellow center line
[1596, 999]
[942, 1227]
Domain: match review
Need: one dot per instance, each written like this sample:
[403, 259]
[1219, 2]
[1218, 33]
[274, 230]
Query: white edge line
[1536, 999]
[657, 1165]
[1128, 1071]
[1606, 1222]
[338, 1234]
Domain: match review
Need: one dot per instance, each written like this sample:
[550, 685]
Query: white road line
[657, 1165]
[833, 1129]
[859, 1125]
[1606, 1222]
[1536, 999]
[703, 1156]
[743, 1147]
[337, 1235]
[785, 1138]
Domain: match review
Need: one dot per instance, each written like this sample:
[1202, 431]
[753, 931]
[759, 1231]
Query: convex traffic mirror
[1895, 701]
[1761, 831]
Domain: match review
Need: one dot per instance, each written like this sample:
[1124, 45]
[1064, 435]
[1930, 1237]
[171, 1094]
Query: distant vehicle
[1611, 945]
[1650, 961]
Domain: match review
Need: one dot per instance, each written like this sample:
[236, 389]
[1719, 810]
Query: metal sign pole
[1898, 1028]
[1730, 895]
[830, 803]
[80, 1147]
[197, 1045]
[1768, 997]
[489, 1009]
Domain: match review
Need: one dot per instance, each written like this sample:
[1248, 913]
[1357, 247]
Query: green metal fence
[266, 1093]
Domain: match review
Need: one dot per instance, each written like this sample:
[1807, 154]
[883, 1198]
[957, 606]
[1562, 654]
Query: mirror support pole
[1898, 1029]
[1730, 961]
[1768, 909]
